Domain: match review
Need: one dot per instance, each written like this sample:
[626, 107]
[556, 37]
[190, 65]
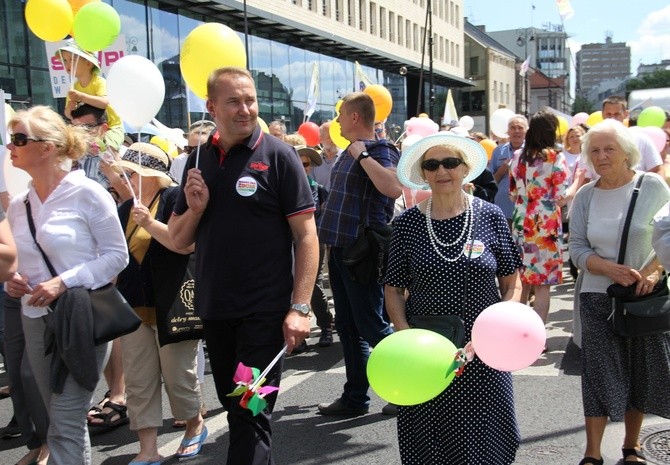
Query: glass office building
[281, 64]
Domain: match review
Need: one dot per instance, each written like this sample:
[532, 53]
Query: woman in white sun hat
[473, 420]
[153, 261]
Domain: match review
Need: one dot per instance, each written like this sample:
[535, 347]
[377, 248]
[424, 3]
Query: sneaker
[300, 348]
[390, 409]
[12, 430]
[326, 339]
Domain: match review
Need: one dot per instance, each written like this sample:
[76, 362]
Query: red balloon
[310, 131]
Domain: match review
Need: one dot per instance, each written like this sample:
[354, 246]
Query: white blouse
[79, 230]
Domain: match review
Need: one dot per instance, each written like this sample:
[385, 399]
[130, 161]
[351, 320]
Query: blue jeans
[360, 323]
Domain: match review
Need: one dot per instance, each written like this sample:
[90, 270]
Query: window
[457, 18]
[391, 27]
[351, 13]
[338, 10]
[495, 91]
[400, 30]
[408, 34]
[458, 54]
[382, 23]
[373, 18]
[474, 66]
[416, 37]
[325, 8]
[361, 19]
[507, 94]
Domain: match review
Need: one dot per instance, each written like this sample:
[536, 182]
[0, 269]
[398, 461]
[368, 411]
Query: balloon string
[400, 137]
[197, 150]
[73, 68]
[139, 161]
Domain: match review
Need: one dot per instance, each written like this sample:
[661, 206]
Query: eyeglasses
[19, 139]
[448, 163]
[87, 127]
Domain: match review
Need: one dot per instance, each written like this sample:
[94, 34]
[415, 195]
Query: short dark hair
[616, 100]
[361, 103]
[84, 109]
[213, 80]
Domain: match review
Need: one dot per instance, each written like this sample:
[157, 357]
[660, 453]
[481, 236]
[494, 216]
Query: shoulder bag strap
[626, 224]
[31, 225]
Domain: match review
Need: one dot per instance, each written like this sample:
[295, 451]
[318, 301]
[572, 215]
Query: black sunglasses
[19, 139]
[189, 148]
[448, 163]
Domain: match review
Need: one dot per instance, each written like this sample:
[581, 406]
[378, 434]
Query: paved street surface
[548, 400]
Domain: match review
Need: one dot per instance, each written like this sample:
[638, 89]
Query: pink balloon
[421, 127]
[657, 136]
[508, 336]
[579, 118]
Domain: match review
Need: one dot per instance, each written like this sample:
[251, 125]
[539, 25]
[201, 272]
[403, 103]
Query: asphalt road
[548, 400]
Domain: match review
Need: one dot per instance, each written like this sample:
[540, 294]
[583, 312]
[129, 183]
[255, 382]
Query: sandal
[637, 453]
[591, 461]
[97, 408]
[120, 411]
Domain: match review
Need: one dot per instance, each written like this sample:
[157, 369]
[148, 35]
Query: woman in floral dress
[538, 176]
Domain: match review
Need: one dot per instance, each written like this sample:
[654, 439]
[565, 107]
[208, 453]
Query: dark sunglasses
[189, 148]
[306, 165]
[19, 139]
[448, 163]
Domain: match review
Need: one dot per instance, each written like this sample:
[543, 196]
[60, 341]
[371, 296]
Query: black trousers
[254, 341]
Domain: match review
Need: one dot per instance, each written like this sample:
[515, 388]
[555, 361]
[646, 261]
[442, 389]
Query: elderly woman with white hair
[155, 270]
[622, 378]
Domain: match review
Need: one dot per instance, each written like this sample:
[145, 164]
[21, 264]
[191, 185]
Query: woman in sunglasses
[538, 181]
[68, 235]
[446, 254]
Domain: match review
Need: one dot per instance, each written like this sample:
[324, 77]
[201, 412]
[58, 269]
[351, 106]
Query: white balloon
[466, 122]
[410, 140]
[499, 120]
[136, 89]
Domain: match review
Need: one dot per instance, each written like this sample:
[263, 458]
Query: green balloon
[651, 116]
[411, 366]
[96, 26]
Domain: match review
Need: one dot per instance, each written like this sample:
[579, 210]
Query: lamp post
[523, 37]
[427, 34]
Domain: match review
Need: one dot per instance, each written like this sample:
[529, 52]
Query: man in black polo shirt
[244, 205]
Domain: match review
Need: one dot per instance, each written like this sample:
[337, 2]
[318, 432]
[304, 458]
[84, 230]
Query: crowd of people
[265, 215]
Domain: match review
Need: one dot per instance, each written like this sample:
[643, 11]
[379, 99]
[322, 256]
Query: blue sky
[643, 24]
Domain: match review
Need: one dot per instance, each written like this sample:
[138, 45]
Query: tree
[659, 78]
[582, 104]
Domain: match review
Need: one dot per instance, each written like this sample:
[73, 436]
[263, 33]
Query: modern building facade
[643, 70]
[284, 40]
[598, 63]
[548, 52]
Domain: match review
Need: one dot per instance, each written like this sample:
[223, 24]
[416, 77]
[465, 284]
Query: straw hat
[409, 168]
[313, 154]
[72, 47]
[155, 162]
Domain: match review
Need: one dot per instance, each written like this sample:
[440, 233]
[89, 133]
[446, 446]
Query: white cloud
[653, 42]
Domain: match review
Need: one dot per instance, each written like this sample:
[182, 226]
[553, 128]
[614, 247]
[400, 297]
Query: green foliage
[660, 78]
[582, 104]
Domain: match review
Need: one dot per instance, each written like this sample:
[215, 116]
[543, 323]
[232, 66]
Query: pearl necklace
[434, 240]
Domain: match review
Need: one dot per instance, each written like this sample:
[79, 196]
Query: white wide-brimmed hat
[409, 169]
[154, 162]
[74, 48]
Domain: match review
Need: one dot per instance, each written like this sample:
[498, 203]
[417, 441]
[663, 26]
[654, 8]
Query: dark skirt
[618, 373]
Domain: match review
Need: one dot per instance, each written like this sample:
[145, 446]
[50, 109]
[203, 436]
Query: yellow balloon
[208, 47]
[594, 118]
[336, 135]
[337, 106]
[562, 128]
[50, 20]
[263, 125]
[382, 99]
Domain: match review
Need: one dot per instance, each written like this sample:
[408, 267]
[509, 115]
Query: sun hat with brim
[313, 154]
[154, 162]
[72, 47]
[409, 169]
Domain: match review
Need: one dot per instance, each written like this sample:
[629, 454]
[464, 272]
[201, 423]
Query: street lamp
[523, 37]
[427, 34]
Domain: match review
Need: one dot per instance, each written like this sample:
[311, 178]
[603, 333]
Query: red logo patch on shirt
[259, 166]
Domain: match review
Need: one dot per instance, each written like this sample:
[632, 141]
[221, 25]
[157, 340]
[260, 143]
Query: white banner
[60, 79]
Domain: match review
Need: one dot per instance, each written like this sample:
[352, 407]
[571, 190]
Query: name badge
[246, 186]
[477, 249]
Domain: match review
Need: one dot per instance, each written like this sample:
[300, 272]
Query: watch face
[302, 308]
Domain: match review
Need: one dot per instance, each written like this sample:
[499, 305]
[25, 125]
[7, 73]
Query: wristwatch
[304, 309]
[364, 154]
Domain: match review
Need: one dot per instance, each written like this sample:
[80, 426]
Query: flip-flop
[198, 439]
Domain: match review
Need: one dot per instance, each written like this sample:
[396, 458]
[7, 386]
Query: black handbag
[638, 315]
[176, 320]
[366, 258]
[112, 314]
[449, 326]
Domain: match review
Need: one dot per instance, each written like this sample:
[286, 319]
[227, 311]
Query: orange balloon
[382, 99]
[77, 4]
[489, 146]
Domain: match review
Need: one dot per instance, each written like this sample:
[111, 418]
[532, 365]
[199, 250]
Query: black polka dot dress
[473, 421]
